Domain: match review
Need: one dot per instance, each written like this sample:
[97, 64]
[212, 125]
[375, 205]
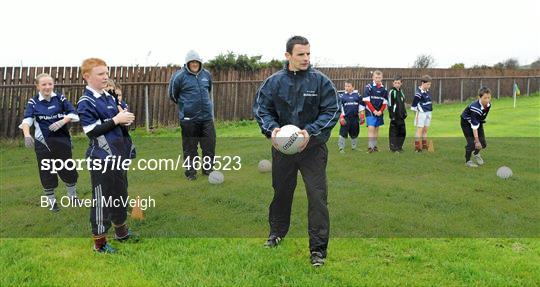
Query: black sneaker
[130, 237]
[317, 259]
[369, 150]
[375, 149]
[107, 248]
[272, 241]
[192, 177]
[55, 207]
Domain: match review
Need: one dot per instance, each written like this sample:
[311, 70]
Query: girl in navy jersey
[49, 113]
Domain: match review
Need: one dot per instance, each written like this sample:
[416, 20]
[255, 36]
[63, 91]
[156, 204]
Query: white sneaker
[479, 159]
[470, 163]
[341, 150]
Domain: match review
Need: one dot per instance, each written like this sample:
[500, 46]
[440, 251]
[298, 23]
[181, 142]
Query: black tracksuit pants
[312, 165]
[397, 134]
[193, 135]
[108, 187]
[469, 137]
[48, 179]
[352, 128]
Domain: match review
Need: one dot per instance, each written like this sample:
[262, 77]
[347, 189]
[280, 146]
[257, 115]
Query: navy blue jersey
[375, 98]
[95, 109]
[422, 101]
[42, 113]
[351, 104]
[475, 114]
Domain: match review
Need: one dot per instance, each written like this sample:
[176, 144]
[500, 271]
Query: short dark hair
[397, 78]
[426, 79]
[349, 81]
[483, 90]
[294, 40]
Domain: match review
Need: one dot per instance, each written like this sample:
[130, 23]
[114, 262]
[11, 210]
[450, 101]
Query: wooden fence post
[235, 100]
[440, 90]
[498, 88]
[146, 112]
[461, 91]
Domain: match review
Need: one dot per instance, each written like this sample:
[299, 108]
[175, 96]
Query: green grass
[460, 227]
[232, 262]
[502, 121]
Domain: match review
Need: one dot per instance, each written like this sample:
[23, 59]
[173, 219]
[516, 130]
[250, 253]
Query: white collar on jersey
[482, 106]
[41, 97]
[373, 84]
[96, 93]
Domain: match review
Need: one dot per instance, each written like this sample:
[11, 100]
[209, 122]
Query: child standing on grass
[352, 116]
[398, 114]
[423, 107]
[472, 125]
[102, 120]
[50, 113]
[375, 99]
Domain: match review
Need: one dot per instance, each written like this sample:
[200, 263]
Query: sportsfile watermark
[431, 194]
[111, 163]
[104, 201]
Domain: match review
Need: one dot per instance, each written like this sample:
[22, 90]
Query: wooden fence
[145, 89]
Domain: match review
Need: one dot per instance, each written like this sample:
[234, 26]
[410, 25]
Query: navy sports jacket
[191, 91]
[306, 99]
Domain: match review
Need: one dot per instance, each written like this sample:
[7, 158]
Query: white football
[504, 172]
[215, 177]
[289, 140]
[264, 166]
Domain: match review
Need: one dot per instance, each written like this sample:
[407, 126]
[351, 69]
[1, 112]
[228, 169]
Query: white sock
[353, 143]
[341, 142]
[71, 189]
[372, 142]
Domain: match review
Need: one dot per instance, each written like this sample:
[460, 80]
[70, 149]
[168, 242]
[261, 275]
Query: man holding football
[302, 96]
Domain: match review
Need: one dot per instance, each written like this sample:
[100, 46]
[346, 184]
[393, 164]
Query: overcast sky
[342, 33]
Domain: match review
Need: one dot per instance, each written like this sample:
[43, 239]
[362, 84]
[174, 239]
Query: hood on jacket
[193, 56]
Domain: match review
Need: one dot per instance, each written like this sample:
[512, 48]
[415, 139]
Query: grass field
[396, 219]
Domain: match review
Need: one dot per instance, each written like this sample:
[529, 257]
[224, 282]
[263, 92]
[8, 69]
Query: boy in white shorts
[423, 107]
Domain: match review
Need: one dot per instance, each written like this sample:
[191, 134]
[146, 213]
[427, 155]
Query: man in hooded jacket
[190, 88]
